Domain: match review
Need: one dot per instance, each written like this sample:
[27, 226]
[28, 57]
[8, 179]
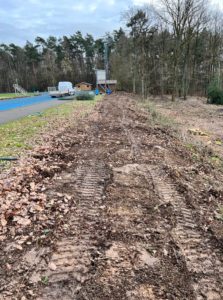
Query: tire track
[72, 260]
[125, 122]
[128, 255]
[202, 262]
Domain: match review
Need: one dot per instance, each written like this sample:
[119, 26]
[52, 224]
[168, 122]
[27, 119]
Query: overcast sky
[22, 20]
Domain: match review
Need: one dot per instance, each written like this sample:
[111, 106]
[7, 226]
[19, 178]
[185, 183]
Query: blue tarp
[21, 102]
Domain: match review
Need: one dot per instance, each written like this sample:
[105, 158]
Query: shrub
[215, 93]
[85, 96]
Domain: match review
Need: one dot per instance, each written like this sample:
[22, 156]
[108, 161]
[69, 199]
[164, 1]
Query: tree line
[174, 48]
[47, 61]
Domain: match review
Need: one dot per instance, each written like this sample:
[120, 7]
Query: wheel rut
[201, 259]
[71, 263]
[125, 123]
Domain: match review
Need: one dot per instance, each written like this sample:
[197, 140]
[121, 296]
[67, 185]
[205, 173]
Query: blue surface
[21, 102]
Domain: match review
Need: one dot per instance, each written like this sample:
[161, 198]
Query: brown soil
[126, 214]
[202, 121]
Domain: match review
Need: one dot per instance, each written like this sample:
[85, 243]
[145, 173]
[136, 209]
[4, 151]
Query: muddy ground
[116, 209]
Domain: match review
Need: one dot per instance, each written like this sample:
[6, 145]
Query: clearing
[112, 207]
[197, 119]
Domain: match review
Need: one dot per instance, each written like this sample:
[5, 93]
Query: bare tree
[184, 18]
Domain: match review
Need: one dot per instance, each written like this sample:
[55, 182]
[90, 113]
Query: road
[114, 207]
[16, 109]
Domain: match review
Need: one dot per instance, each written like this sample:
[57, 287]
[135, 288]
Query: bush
[215, 94]
[85, 96]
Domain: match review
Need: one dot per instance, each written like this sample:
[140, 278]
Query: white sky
[24, 20]
[218, 3]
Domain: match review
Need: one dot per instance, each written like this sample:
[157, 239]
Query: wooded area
[44, 63]
[175, 49]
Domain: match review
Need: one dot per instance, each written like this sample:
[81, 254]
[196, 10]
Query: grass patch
[17, 136]
[191, 147]
[13, 95]
[216, 160]
[157, 118]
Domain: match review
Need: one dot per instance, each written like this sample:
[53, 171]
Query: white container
[65, 87]
[101, 75]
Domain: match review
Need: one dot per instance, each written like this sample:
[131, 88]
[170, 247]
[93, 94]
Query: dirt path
[129, 216]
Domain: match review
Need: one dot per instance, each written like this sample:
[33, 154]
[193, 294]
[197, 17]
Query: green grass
[13, 95]
[17, 136]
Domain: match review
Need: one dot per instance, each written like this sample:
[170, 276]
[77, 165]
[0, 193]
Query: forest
[174, 48]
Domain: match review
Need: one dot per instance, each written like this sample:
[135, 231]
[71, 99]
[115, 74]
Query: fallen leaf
[22, 221]
[32, 186]
[60, 195]
[52, 266]
[2, 238]
[8, 266]
[19, 247]
[3, 221]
